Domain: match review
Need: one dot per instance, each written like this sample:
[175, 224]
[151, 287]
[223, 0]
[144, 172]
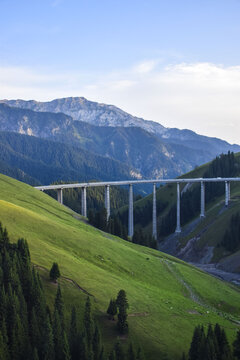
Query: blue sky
[176, 62]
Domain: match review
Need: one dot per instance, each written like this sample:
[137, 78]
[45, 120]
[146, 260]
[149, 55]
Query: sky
[176, 62]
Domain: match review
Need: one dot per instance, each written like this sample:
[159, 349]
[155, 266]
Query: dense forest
[95, 198]
[212, 345]
[44, 161]
[30, 331]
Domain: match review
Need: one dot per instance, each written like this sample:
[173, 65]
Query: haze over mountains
[147, 148]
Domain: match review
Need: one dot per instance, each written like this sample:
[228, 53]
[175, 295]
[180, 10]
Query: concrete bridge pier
[130, 212]
[84, 201]
[107, 200]
[60, 196]
[154, 223]
[227, 190]
[202, 214]
[178, 227]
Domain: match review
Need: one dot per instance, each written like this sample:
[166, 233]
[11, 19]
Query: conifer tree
[59, 306]
[225, 347]
[35, 354]
[131, 353]
[112, 355]
[96, 344]
[57, 336]
[73, 336]
[236, 346]
[112, 309]
[140, 354]
[122, 305]
[119, 353]
[4, 355]
[196, 344]
[48, 337]
[65, 347]
[54, 273]
[88, 323]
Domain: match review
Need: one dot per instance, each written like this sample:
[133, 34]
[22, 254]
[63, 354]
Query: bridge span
[130, 183]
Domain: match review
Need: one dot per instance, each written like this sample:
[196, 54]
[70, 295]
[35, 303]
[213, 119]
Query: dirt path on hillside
[194, 296]
[67, 279]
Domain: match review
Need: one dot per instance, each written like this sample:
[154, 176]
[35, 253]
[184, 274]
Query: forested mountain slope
[152, 155]
[167, 297]
[36, 160]
[99, 114]
[201, 240]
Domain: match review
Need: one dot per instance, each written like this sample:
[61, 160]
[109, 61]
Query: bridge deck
[134, 182]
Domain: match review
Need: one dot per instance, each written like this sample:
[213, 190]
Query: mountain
[36, 160]
[97, 114]
[145, 153]
[167, 297]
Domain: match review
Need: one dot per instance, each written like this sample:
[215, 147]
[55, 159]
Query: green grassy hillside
[167, 297]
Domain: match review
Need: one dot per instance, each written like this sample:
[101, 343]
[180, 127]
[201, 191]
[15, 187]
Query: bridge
[130, 183]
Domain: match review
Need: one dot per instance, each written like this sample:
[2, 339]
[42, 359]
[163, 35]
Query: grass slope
[167, 297]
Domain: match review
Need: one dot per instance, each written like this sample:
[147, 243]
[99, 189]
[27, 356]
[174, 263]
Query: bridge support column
[107, 200]
[227, 188]
[229, 191]
[130, 212]
[60, 196]
[84, 201]
[178, 227]
[202, 214]
[154, 220]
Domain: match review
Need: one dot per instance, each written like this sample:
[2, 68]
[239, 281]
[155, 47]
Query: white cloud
[203, 97]
[145, 66]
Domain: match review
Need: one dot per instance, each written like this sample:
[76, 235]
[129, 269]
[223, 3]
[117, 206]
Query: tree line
[212, 345]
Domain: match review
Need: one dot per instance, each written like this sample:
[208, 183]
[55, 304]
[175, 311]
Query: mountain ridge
[100, 114]
[150, 155]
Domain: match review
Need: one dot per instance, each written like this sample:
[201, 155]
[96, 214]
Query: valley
[157, 284]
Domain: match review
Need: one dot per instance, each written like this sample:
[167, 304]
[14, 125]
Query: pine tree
[54, 273]
[119, 353]
[96, 344]
[4, 355]
[225, 349]
[112, 355]
[65, 347]
[131, 353]
[73, 336]
[184, 356]
[35, 354]
[197, 344]
[88, 322]
[112, 309]
[59, 306]
[57, 336]
[47, 340]
[140, 355]
[236, 346]
[122, 305]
